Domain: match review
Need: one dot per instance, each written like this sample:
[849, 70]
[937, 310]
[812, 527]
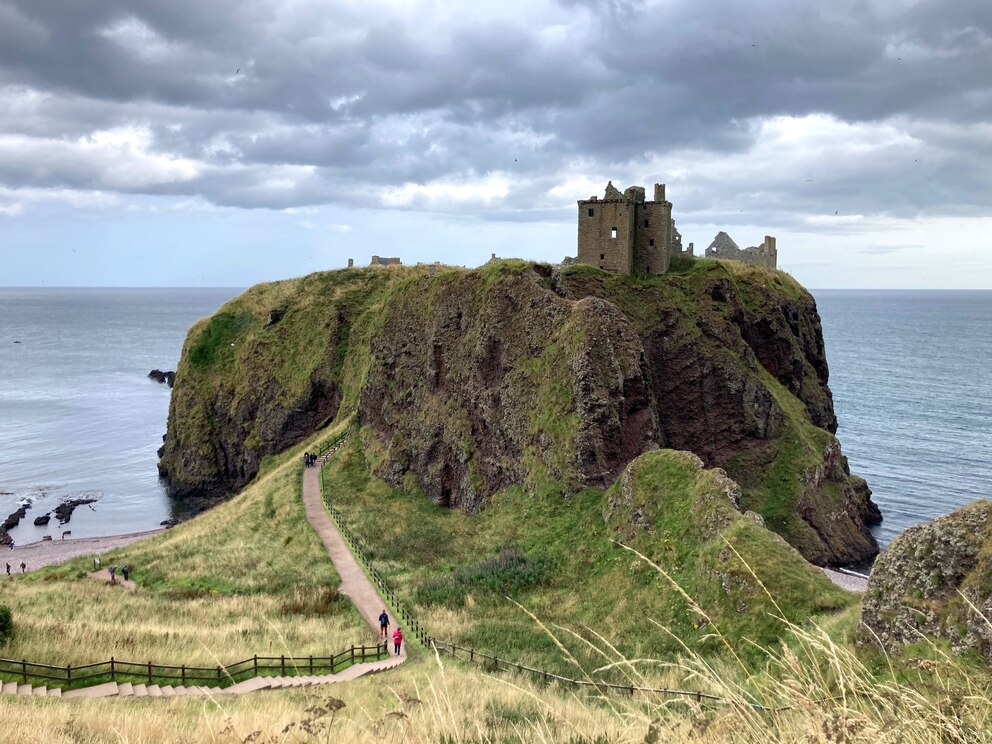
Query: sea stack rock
[161, 377]
[916, 587]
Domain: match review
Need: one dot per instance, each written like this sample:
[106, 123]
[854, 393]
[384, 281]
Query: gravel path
[847, 581]
[52, 552]
[354, 583]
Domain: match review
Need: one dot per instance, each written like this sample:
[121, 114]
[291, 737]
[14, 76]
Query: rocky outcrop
[466, 382]
[161, 377]
[934, 581]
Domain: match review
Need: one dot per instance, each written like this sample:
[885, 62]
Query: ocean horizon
[80, 418]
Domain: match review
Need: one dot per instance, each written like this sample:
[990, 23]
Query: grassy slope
[589, 581]
[250, 576]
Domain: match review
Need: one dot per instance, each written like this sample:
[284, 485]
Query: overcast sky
[221, 143]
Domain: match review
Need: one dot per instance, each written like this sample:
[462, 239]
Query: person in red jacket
[397, 640]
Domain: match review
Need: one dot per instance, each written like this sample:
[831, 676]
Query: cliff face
[465, 382]
[934, 582]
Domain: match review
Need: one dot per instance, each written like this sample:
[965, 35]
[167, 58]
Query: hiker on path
[8, 569]
[113, 574]
[125, 569]
[96, 564]
[11, 544]
[398, 640]
[306, 459]
[384, 625]
[24, 566]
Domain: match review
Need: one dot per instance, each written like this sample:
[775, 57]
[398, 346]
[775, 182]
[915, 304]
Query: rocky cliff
[935, 582]
[464, 382]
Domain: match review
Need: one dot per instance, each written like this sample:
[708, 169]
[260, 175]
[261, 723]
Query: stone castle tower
[626, 234]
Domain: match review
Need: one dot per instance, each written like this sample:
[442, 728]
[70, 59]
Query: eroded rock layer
[464, 382]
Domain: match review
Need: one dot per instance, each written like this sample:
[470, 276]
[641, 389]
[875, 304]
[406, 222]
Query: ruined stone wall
[599, 222]
[765, 255]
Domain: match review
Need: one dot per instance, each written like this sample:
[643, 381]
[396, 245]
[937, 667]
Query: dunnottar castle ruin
[625, 234]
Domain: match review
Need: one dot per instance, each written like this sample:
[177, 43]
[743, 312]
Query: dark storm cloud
[344, 102]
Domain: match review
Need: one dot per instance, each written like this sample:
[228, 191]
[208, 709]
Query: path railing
[493, 663]
[115, 670]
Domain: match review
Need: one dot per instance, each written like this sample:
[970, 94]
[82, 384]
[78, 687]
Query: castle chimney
[351, 263]
[659, 192]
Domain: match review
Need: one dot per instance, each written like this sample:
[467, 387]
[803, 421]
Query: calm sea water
[910, 372]
[78, 415]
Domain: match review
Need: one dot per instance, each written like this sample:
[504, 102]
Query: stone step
[180, 691]
[24, 689]
[9, 688]
[167, 691]
[40, 691]
[125, 689]
[250, 685]
[55, 692]
[154, 691]
[107, 689]
[139, 691]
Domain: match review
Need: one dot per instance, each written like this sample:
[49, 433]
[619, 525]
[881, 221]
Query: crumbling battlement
[723, 246]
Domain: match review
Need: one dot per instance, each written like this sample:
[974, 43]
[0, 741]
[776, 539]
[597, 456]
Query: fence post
[149, 672]
[183, 673]
[352, 654]
[113, 670]
[68, 673]
[282, 665]
[218, 675]
[311, 663]
[24, 670]
[256, 665]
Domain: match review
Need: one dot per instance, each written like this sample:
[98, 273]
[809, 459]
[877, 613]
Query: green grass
[585, 581]
[250, 576]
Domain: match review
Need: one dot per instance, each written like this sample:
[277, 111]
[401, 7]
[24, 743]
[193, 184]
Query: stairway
[256, 684]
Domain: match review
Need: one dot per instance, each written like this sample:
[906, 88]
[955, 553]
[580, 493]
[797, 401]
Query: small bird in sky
[238, 71]
[835, 212]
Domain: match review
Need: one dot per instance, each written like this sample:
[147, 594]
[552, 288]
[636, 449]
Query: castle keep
[624, 233]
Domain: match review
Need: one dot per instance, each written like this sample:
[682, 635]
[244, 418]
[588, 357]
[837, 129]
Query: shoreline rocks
[167, 378]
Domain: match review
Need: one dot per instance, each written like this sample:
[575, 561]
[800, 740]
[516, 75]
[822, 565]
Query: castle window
[646, 223]
[613, 233]
[602, 256]
[591, 211]
[651, 242]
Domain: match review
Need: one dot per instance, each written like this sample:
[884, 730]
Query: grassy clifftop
[469, 382]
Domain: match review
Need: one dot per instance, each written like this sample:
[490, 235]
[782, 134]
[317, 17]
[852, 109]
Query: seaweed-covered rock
[935, 580]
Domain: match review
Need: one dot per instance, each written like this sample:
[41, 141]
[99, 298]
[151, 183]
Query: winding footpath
[354, 584]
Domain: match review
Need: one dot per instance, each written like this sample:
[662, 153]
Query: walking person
[24, 566]
[113, 574]
[397, 640]
[125, 570]
[96, 564]
[8, 569]
[384, 625]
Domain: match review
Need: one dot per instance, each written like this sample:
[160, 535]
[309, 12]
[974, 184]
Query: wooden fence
[115, 670]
